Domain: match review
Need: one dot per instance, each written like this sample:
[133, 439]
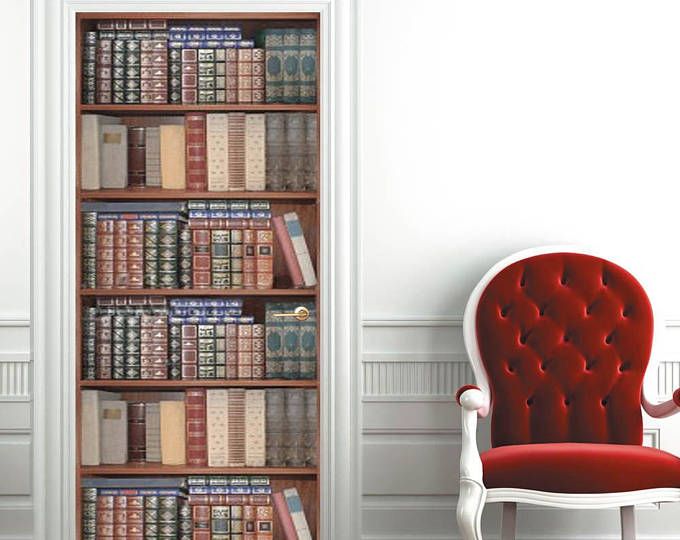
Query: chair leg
[471, 499]
[627, 523]
[509, 521]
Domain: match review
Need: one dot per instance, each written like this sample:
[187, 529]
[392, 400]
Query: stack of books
[201, 152]
[214, 427]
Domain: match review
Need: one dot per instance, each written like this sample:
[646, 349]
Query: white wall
[15, 384]
[485, 128]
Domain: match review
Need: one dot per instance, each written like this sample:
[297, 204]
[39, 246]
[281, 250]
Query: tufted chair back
[564, 339]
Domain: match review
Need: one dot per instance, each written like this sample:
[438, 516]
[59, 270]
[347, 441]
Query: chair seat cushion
[580, 467]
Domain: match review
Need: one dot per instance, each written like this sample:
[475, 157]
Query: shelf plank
[203, 16]
[182, 194]
[153, 109]
[149, 384]
[198, 292]
[152, 469]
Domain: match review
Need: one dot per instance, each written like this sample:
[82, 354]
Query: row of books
[189, 508]
[197, 63]
[222, 244]
[151, 338]
[201, 152]
[215, 427]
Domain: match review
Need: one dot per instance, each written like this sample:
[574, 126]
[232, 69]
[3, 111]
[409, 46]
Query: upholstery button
[609, 338]
[589, 366]
[605, 279]
[625, 366]
[566, 402]
[504, 311]
[522, 282]
[566, 338]
[541, 311]
[523, 339]
[626, 311]
[589, 309]
[530, 401]
[605, 401]
[511, 368]
[563, 281]
[543, 366]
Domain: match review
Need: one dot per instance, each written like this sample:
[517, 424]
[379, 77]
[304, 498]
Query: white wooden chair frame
[473, 495]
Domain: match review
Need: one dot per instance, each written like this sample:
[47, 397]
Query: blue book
[156, 482]
[291, 65]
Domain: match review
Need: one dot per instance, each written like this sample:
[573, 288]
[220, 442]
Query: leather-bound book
[118, 333]
[217, 151]
[189, 351]
[132, 71]
[154, 71]
[201, 522]
[245, 75]
[274, 427]
[135, 253]
[310, 165]
[201, 260]
[291, 65]
[237, 151]
[120, 266]
[89, 68]
[175, 351]
[231, 345]
[311, 422]
[153, 156]
[173, 164]
[173, 433]
[258, 72]
[103, 71]
[136, 432]
[206, 351]
[264, 256]
[220, 352]
[255, 428]
[175, 76]
[219, 259]
[284, 518]
[217, 411]
[90, 149]
[196, 156]
[232, 75]
[274, 340]
[206, 75]
[293, 172]
[300, 245]
[88, 501]
[259, 353]
[136, 156]
[153, 433]
[89, 250]
[307, 343]
[90, 437]
[249, 259]
[133, 359]
[154, 346]
[272, 41]
[294, 427]
[168, 253]
[245, 351]
[255, 152]
[186, 252]
[88, 360]
[114, 168]
[286, 246]
[307, 65]
[195, 401]
[236, 427]
[275, 150]
[114, 432]
[297, 513]
[104, 345]
[105, 510]
[189, 81]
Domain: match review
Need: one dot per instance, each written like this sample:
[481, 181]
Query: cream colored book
[255, 152]
[114, 432]
[173, 433]
[173, 165]
[90, 149]
[255, 430]
[90, 420]
[217, 144]
[237, 427]
[114, 154]
[217, 411]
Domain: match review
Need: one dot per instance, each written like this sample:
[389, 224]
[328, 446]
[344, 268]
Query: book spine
[286, 522]
[206, 75]
[133, 358]
[220, 76]
[189, 351]
[255, 152]
[104, 242]
[294, 427]
[153, 157]
[132, 71]
[174, 76]
[196, 156]
[153, 433]
[89, 68]
[307, 341]
[231, 66]
[154, 346]
[297, 513]
[154, 71]
[293, 173]
[185, 521]
[274, 427]
[89, 250]
[310, 165]
[136, 432]
[274, 341]
[264, 259]
[175, 351]
[201, 259]
[307, 63]
[189, 76]
[310, 430]
[217, 150]
[291, 65]
[236, 428]
[206, 351]
[168, 251]
[114, 432]
[88, 509]
[258, 351]
[88, 362]
[104, 519]
[275, 150]
[291, 343]
[185, 256]
[217, 434]
[173, 166]
[103, 71]
[244, 359]
[151, 266]
[255, 428]
[236, 151]
[113, 153]
[273, 39]
[118, 347]
[220, 352]
[286, 247]
[201, 522]
[136, 161]
[104, 346]
[231, 331]
[173, 433]
[118, 71]
[249, 259]
[245, 75]
[220, 259]
[120, 261]
[258, 71]
[135, 253]
[300, 245]
[196, 427]
[236, 258]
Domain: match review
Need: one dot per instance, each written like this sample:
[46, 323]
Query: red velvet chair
[559, 341]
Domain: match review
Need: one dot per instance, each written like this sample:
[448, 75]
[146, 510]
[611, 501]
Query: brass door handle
[301, 313]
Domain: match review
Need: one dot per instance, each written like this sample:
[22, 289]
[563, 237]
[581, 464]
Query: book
[89, 250]
[153, 156]
[255, 437]
[217, 151]
[285, 520]
[236, 428]
[220, 259]
[236, 151]
[189, 76]
[173, 433]
[307, 343]
[114, 168]
[217, 430]
[90, 420]
[272, 41]
[245, 76]
[136, 156]
[90, 149]
[255, 152]
[258, 70]
[310, 429]
[307, 65]
[274, 339]
[310, 166]
[300, 246]
[103, 70]
[275, 150]
[136, 432]
[196, 437]
[196, 156]
[286, 247]
[173, 173]
[134, 482]
[291, 65]
[264, 259]
[114, 432]
[294, 427]
[297, 513]
[294, 166]
[153, 433]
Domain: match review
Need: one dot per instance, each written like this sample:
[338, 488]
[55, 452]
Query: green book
[274, 341]
[291, 65]
[271, 40]
[307, 344]
[307, 63]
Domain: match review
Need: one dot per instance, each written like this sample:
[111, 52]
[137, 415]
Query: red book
[196, 153]
[288, 251]
[197, 452]
[201, 260]
[283, 514]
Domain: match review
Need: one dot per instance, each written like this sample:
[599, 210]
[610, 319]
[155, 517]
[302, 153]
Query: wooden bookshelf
[305, 203]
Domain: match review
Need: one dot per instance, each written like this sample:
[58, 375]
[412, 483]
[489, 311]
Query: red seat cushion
[580, 467]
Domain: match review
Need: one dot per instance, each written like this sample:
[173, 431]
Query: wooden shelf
[150, 384]
[201, 16]
[198, 292]
[154, 109]
[181, 194]
[152, 469]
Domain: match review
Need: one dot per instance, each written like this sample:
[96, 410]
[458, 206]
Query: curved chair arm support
[662, 410]
[473, 403]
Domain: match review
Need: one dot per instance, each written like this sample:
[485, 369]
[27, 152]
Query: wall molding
[12, 322]
[442, 320]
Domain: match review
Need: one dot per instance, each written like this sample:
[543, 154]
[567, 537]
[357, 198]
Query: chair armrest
[472, 398]
[664, 409]
[473, 403]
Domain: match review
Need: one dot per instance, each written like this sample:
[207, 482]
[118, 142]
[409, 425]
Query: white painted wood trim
[52, 229]
[582, 500]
